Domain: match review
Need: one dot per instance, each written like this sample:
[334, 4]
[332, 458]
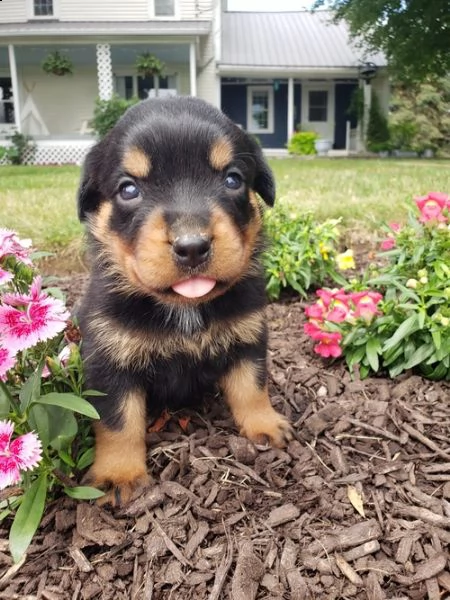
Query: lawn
[39, 202]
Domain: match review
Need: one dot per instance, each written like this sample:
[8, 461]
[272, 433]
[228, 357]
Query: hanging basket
[57, 64]
[148, 65]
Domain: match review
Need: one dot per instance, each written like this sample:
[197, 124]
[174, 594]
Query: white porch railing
[55, 152]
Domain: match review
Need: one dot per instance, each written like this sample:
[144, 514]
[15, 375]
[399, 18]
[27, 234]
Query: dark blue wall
[343, 98]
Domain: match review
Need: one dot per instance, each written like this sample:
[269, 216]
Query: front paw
[118, 490]
[267, 426]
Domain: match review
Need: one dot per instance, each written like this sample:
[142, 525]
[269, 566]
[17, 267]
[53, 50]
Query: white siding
[200, 10]
[64, 103]
[207, 84]
[13, 11]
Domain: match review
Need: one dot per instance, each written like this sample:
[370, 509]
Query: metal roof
[288, 40]
[104, 28]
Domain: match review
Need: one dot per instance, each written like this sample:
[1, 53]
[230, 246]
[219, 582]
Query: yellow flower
[412, 283]
[345, 260]
[323, 251]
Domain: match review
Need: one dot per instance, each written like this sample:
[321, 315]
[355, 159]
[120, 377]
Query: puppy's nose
[192, 250]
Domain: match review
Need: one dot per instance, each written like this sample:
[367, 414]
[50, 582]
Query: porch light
[367, 71]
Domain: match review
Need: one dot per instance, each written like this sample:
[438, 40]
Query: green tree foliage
[420, 116]
[377, 127]
[414, 34]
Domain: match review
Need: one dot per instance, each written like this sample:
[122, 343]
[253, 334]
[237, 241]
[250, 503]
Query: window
[164, 8]
[6, 101]
[129, 86]
[318, 106]
[43, 8]
[260, 109]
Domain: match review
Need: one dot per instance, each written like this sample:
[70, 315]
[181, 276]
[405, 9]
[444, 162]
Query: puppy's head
[170, 199]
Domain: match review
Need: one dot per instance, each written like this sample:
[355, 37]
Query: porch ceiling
[84, 55]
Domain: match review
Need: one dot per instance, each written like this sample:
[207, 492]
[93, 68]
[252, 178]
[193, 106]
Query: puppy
[174, 309]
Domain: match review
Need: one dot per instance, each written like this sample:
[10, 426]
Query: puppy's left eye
[129, 191]
[233, 181]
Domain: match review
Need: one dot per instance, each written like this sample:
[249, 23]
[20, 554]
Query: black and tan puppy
[175, 304]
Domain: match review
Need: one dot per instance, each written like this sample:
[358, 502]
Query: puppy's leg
[120, 451]
[245, 389]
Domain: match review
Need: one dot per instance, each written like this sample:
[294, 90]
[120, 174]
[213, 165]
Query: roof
[104, 28]
[295, 40]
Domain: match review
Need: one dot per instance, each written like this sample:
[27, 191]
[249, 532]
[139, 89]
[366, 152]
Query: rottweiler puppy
[174, 309]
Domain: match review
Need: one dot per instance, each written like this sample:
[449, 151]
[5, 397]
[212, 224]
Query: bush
[108, 112]
[302, 143]
[378, 136]
[302, 253]
[17, 152]
[395, 317]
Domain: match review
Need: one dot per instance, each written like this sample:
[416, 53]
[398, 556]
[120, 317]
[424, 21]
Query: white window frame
[31, 15]
[151, 8]
[258, 89]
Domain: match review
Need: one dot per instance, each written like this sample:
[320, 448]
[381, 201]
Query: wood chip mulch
[357, 506]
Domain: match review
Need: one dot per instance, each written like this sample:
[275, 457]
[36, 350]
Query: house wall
[16, 11]
[207, 80]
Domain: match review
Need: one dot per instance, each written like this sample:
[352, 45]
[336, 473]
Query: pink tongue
[195, 287]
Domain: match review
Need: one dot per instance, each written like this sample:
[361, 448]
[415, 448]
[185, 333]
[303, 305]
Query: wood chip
[248, 573]
[348, 570]
[363, 550]
[283, 514]
[80, 560]
[347, 538]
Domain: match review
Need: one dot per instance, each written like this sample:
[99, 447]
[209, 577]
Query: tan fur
[120, 456]
[127, 348]
[221, 154]
[251, 406]
[136, 163]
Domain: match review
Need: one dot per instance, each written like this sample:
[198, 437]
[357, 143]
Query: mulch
[357, 506]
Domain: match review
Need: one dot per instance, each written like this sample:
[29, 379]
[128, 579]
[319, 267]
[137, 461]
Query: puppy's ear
[264, 184]
[89, 195]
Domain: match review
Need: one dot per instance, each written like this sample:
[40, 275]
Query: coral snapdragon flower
[26, 319]
[432, 206]
[328, 344]
[366, 304]
[21, 454]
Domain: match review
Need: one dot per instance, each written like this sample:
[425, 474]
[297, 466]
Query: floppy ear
[264, 184]
[89, 195]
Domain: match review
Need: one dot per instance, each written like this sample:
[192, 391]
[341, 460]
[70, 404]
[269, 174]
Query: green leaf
[419, 356]
[4, 402]
[70, 402]
[56, 426]
[83, 492]
[86, 459]
[31, 389]
[406, 328]
[436, 335]
[372, 351]
[28, 517]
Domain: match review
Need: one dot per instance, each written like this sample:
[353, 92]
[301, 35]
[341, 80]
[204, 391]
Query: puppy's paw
[118, 490]
[267, 425]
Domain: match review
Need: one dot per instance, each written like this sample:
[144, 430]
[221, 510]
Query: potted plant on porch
[58, 64]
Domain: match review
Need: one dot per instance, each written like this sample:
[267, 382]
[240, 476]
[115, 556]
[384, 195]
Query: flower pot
[323, 146]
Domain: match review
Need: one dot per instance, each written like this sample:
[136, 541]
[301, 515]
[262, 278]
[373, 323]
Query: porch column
[367, 103]
[15, 87]
[290, 108]
[104, 72]
[193, 69]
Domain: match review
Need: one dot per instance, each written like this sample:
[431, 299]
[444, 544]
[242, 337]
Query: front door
[317, 109]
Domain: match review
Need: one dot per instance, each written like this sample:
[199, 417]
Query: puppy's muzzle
[192, 250]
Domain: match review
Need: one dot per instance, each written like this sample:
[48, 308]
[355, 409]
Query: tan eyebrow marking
[137, 163]
[221, 154]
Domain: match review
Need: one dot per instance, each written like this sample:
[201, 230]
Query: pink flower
[7, 361]
[395, 226]
[366, 304]
[432, 206]
[22, 454]
[26, 319]
[5, 276]
[388, 244]
[315, 311]
[329, 344]
[11, 245]
[313, 330]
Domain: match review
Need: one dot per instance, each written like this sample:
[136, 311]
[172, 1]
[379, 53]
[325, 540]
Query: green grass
[40, 202]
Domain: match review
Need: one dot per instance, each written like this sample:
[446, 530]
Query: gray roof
[288, 40]
[106, 28]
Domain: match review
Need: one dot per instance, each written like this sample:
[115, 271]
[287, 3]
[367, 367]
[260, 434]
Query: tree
[377, 127]
[413, 34]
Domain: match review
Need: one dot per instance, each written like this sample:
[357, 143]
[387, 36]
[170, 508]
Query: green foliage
[301, 253]
[302, 143]
[148, 65]
[108, 112]
[413, 35]
[22, 145]
[377, 136]
[420, 116]
[58, 64]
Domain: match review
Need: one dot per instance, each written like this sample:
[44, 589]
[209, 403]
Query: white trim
[15, 87]
[193, 68]
[325, 129]
[271, 108]
[33, 17]
[290, 108]
[174, 17]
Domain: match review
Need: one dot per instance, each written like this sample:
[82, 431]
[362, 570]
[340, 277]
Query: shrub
[377, 136]
[395, 317]
[21, 146]
[42, 444]
[302, 143]
[302, 253]
[108, 112]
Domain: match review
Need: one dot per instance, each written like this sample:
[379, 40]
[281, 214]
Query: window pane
[164, 8]
[260, 110]
[318, 106]
[43, 8]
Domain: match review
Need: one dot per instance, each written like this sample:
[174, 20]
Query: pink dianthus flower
[21, 454]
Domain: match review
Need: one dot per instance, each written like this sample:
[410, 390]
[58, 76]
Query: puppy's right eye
[129, 191]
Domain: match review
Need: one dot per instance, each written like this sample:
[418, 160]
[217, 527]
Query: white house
[268, 71]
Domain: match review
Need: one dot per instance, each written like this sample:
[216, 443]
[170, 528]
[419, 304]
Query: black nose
[192, 250]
